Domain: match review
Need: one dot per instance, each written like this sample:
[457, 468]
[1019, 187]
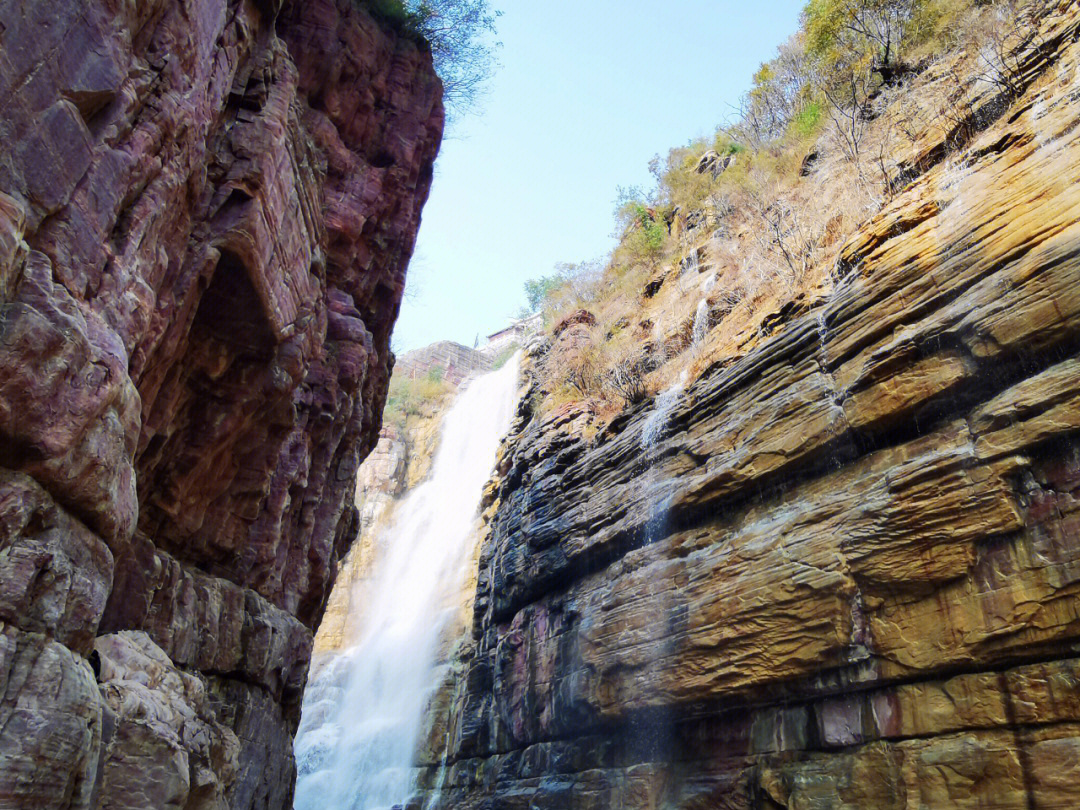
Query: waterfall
[701, 321]
[658, 419]
[690, 263]
[362, 712]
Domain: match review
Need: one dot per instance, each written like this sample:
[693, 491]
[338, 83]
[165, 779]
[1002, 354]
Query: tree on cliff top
[460, 33]
[844, 33]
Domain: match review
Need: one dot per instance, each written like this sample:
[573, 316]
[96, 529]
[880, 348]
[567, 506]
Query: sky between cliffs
[587, 93]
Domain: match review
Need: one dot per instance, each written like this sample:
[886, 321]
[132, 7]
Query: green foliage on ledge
[459, 33]
[412, 397]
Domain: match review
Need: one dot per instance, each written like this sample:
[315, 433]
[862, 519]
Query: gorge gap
[365, 705]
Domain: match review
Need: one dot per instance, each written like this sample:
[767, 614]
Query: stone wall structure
[206, 212]
[454, 362]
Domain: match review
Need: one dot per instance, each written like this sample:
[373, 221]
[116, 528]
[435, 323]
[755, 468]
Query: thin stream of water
[701, 321]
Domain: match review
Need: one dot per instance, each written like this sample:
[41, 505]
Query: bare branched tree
[850, 31]
[461, 34]
[786, 239]
[780, 90]
[1014, 25]
[847, 110]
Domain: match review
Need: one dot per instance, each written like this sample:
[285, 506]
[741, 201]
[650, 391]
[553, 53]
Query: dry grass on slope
[761, 245]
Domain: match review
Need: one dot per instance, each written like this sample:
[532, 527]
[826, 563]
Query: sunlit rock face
[206, 212]
[381, 479]
[846, 573]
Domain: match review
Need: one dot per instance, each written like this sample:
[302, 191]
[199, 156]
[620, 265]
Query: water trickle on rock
[690, 263]
[362, 711]
[701, 321]
[658, 419]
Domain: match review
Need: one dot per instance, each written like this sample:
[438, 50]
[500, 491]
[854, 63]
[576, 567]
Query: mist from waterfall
[363, 710]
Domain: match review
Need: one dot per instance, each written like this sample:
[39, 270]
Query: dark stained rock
[581, 316]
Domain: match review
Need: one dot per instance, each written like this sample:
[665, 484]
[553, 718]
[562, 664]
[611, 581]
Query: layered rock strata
[843, 570]
[206, 212]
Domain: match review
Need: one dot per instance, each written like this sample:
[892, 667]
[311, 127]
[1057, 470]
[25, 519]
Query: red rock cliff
[206, 212]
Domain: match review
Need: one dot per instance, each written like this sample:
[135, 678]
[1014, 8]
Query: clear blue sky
[587, 93]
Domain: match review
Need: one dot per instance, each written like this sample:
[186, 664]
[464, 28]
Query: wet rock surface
[206, 212]
[846, 573]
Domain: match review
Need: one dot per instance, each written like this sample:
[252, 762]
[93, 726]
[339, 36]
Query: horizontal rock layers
[206, 212]
[846, 571]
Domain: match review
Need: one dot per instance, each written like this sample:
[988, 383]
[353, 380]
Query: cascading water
[652, 732]
[362, 712]
[701, 321]
[690, 263]
[658, 419]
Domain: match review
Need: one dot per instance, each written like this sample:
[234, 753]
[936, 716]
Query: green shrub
[807, 121]
[652, 229]
[538, 290]
[504, 356]
[408, 397]
[643, 227]
[394, 12]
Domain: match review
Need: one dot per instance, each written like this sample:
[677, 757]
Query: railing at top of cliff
[362, 712]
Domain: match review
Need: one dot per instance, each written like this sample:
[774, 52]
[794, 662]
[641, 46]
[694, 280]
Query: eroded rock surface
[206, 212]
[845, 573]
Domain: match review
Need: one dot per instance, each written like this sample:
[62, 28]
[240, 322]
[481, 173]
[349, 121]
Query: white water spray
[658, 419]
[701, 321]
[363, 711]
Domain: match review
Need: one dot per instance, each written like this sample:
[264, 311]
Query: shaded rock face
[380, 482]
[206, 212]
[844, 572]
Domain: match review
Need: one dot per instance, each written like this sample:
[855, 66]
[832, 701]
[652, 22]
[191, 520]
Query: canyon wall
[206, 212]
[843, 570]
